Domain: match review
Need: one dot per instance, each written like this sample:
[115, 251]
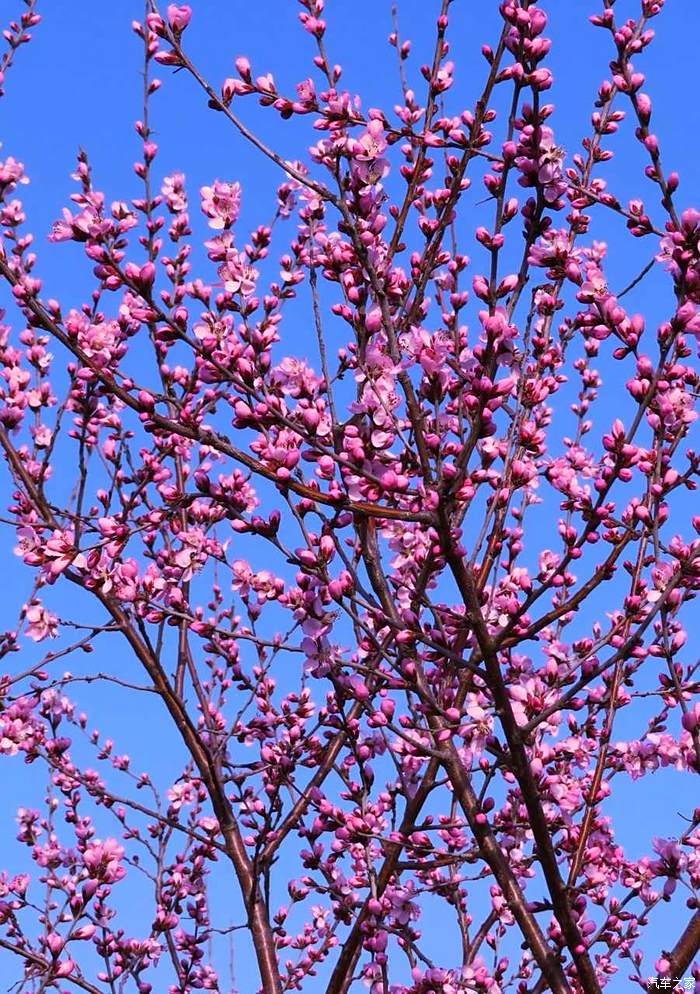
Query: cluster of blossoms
[408, 593]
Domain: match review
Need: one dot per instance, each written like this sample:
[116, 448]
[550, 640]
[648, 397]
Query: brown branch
[258, 920]
[341, 977]
[489, 848]
[202, 435]
[685, 950]
[492, 853]
[48, 967]
[520, 765]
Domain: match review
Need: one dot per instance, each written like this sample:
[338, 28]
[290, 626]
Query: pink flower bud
[690, 721]
[178, 17]
[55, 943]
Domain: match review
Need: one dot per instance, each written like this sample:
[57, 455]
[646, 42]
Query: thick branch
[685, 950]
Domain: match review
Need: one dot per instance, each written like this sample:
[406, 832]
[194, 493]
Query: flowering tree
[395, 573]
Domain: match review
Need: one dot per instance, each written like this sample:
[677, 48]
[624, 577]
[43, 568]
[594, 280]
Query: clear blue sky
[78, 84]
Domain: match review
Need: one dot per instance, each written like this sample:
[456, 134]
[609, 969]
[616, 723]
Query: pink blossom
[237, 275]
[221, 203]
[173, 190]
[41, 624]
[103, 860]
[60, 553]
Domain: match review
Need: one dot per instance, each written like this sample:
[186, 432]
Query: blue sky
[78, 84]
